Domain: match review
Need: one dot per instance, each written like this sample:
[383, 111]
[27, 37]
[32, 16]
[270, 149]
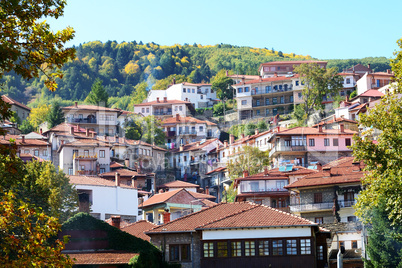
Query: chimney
[206, 189]
[198, 144]
[164, 99]
[319, 128]
[181, 148]
[166, 217]
[245, 173]
[334, 118]
[105, 137]
[116, 221]
[157, 99]
[87, 132]
[177, 117]
[369, 66]
[127, 162]
[71, 130]
[265, 171]
[117, 178]
[242, 135]
[76, 104]
[278, 129]
[23, 138]
[356, 166]
[388, 71]
[225, 144]
[174, 80]
[326, 171]
[319, 166]
[243, 80]
[256, 131]
[342, 126]
[231, 138]
[275, 74]
[116, 138]
[260, 78]
[41, 131]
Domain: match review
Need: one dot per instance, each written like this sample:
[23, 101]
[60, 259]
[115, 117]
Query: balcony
[188, 132]
[85, 156]
[163, 113]
[271, 104]
[82, 120]
[262, 190]
[346, 203]
[261, 92]
[170, 133]
[282, 148]
[311, 207]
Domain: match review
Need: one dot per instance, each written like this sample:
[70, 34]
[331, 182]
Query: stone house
[241, 235]
[20, 109]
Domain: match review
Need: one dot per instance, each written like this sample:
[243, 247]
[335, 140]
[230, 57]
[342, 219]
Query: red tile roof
[341, 171]
[18, 141]
[95, 181]
[160, 198]
[124, 172]
[197, 195]
[115, 165]
[192, 84]
[371, 93]
[269, 79]
[314, 131]
[232, 215]
[65, 128]
[194, 146]
[101, 258]
[30, 157]
[338, 119]
[275, 174]
[208, 203]
[219, 169]
[252, 77]
[178, 184]
[258, 216]
[163, 102]
[292, 62]
[186, 119]
[11, 101]
[90, 108]
[139, 228]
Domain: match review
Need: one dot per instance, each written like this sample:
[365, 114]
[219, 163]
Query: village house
[217, 181]
[200, 95]
[184, 130]
[268, 187]
[21, 110]
[334, 122]
[37, 148]
[164, 108]
[101, 120]
[306, 145]
[241, 235]
[283, 68]
[105, 198]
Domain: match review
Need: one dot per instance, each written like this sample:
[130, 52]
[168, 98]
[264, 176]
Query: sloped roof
[219, 169]
[163, 102]
[11, 101]
[269, 79]
[27, 142]
[259, 216]
[371, 93]
[275, 174]
[314, 131]
[139, 228]
[124, 172]
[178, 184]
[337, 120]
[194, 146]
[201, 195]
[186, 119]
[160, 198]
[95, 181]
[101, 258]
[208, 203]
[193, 84]
[65, 128]
[341, 171]
[90, 108]
[115, 165]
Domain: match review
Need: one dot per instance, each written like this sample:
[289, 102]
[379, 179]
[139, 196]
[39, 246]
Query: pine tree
[55, 116]
[98, 94]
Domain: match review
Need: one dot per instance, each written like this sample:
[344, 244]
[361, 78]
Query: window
[193, 90]
[342, 93]
[299, 95]
[305, 246]
[320, 253]
[354, 243]
[267, 89]
[249, 248]
[26, 151]
[240, 90]
[291, 247]
[246, 89]
[297, 82]
[180, 108]
[179, 252]
[185, 158]
[263, 248]
[266, 111]
[236, 249]
[277, 248]
[274, 100]
[352, 218]
[184, 90]
[282, 99]
[291, 98]
[201, 129]
[36, 152]
[202, 97]
[222, 249]
[335, 142]
[341, 244]
[147, 110]
[188, 90]
[223, 154]
[102, 153]
[212, 91]
[267, 101]
[70, 171]
[208, 250]
[326, 142]
[347, 142]
[311, 142]
[257, 102]
[258, 112]
[347, 80]
[44, 152]
[244, 102]
[319, 220]
[101, 170]
[280, 87]
[317, 197]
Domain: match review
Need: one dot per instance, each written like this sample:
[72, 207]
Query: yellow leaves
[131, 68]
[39, 115]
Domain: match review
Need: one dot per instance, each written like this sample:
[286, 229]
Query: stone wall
[325, 157]
[307, 196]
[162, 241]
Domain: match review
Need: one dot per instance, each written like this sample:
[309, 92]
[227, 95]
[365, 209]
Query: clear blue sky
[324, 29]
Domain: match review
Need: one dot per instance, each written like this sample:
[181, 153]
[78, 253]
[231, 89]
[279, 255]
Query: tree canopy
[98, 95]
[147, 129]
[55, 116]
[223, 85]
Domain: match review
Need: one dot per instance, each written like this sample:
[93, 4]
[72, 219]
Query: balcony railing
[170, 133]
[85, 172]
[311, 207]
[188, 132]
[264, 104]
[260, 92]
[85, 156]
[162, 113]
[244, 191]
[287, 149]
[346, 203]
[82, 120]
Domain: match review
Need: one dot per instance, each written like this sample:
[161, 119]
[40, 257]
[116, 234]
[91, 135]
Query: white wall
[256, 233]
[112, 200]
[363, 84]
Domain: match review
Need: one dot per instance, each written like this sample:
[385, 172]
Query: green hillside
[121, 66]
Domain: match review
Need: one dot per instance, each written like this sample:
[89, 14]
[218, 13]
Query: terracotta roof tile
[338, 119]
[192, 84]
[139, 228]
[178, 184]
[159, 198]
[275, 174]
[194, 146]
[314, 131]
[163, 102]
[219, 169]
[9, 100]
[186, 119]
[90, 108]
[95, 181]
[208, 203]
[116, 165]
[101, 258]
[18, 141]
[269, 79]
[371, 93]
[258, 216]
[124, 172]
[201, 195]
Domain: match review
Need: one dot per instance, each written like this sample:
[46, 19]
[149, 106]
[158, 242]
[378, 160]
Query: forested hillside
[121, 66]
